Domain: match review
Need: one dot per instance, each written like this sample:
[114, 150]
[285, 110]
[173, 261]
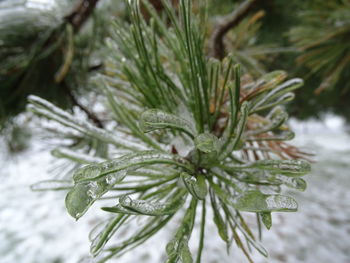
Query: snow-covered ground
[35, 228]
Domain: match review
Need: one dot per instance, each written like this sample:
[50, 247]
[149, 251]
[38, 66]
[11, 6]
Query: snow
[35, 227]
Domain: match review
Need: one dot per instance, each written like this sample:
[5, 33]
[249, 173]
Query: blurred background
[54, 48]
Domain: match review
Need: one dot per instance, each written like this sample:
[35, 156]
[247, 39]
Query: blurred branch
[49, 52]
[157, 5]
[81, 13]
[217, 48]
[77, 18]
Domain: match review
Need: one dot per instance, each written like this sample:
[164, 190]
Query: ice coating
[47, 109]
[84, 194]
[129, 161]
[87, 172]
[95, 232]
[281, 203]
[281, 136]
[120, 210]
[185, 256]
[286, 167]
[277, 92]
[268, 82]
[101, 235]
[292, 182]
[94, 189]
[78, 200]
[196, 185]
[218, 219]
[52, 185]
[228, 147]
[113, 178]
[276, 118]
[156, 119]
[171, 248]
[151, 208]
[256, 176]
[255, 201]
[177, 249]
[75, 156]
[271, 79]
[207, 142]
[292, 168]
[266, 219]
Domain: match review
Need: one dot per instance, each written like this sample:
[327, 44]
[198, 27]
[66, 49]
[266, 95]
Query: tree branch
[217, 48]
[75, 102]
[77, 18]
[81, 13]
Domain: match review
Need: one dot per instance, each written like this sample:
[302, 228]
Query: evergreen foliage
[243, 43]
[44, 53]
[41, 56]
[308, 39]
[189, 133]
[323, 38]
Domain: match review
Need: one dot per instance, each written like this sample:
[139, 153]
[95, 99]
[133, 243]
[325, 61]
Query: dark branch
[217, 48]
[77, 18]
[75, 102]
[81, 13]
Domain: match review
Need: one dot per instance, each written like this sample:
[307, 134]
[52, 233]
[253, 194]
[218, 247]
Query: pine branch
[232, 20]
[164, 95]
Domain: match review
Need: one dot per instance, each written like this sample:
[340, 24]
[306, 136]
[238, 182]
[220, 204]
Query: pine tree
[186, 133]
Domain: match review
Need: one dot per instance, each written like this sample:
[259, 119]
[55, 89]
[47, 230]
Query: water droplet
[196, 186]
[125, 200]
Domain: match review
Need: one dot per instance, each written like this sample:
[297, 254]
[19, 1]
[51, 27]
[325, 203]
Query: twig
[75, 102]
[77, 18]
[81, 13]
[217, 48]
